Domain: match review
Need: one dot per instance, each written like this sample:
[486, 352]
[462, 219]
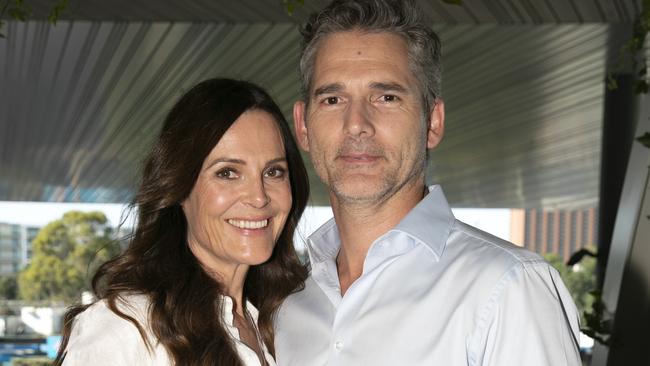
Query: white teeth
[245, 224]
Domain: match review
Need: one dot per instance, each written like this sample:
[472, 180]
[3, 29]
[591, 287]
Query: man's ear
[299, 110]
[436, 124]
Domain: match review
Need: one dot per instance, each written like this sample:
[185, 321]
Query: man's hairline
[362, 31]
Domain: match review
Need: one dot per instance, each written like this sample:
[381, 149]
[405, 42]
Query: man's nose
[256, 195]
[358, 121]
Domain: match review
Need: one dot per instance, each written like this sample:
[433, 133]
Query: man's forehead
[378, 60]
[356, 41]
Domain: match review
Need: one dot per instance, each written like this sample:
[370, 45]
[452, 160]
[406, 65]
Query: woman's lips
[249, 224]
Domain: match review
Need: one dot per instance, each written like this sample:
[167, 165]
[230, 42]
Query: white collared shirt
[434, 291]
[101, 338]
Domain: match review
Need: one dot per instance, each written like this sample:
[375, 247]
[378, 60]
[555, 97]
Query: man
[395, 279]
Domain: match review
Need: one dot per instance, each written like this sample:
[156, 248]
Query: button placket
[338, 345]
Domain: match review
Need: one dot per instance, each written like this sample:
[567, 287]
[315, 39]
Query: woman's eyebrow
[277, 160]
[225, 160]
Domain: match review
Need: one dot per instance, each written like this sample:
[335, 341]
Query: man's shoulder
[309, 297]
[468, 242]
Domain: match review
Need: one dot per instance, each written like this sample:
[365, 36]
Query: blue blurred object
[51, 346]
[9, 350]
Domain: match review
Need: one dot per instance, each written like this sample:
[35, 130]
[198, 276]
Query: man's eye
[388, 98]
[226, 173]
[331, 100]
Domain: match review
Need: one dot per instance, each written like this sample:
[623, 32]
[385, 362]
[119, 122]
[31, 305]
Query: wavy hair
[186, 309]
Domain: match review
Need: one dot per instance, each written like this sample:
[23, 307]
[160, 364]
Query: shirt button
[338, 345]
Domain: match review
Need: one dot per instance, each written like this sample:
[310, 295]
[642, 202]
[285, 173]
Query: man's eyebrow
[388, 86]
[328, 88]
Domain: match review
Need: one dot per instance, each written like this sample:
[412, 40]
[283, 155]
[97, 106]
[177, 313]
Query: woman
[221, 194]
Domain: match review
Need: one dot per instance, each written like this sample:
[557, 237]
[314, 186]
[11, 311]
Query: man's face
[364, 125]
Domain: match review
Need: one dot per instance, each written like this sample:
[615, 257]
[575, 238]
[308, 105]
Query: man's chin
[359, 190]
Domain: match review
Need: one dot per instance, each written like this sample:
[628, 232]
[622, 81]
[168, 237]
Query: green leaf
[57, 10]
[641, 87]
[291, 5]
[612, 84]
[453, 2]
[17, 14]
[644, 139]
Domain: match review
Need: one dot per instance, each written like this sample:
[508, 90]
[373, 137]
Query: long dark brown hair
[186, 315]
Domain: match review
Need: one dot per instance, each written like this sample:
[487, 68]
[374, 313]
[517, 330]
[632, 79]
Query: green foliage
[20, 11]
[291, 5]
[17, 9]
[635, 46]
[579, 279]
[644, 139]
[8, 287]
[31, 361]
[57, 10]
[597, 323]
[66, 253]
[633, 49]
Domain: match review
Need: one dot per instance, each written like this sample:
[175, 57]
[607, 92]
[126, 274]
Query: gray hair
[401, 17]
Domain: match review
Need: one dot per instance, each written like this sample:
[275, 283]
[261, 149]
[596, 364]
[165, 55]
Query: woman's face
[242, 197]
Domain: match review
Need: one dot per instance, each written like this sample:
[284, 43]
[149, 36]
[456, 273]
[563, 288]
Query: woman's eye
[275, 172]
[227, 174]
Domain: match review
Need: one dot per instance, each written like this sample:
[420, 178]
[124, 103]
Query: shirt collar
[324, 243]
[428, 223]
[227, 307]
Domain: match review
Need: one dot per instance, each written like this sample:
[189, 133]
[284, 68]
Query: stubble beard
[356, 191]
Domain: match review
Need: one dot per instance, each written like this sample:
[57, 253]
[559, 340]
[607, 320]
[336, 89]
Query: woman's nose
[256, 194]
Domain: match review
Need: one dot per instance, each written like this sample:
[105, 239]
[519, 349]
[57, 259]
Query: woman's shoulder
[100, 314]
[99, 332]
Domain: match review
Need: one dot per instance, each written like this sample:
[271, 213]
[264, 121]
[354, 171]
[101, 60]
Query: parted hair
[186, 307]
[401, 17]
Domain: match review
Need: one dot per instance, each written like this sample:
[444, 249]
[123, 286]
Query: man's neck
[359, 225]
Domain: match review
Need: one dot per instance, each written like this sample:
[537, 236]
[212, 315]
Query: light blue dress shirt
[434, 291]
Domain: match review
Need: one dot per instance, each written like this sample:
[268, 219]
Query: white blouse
[101, 338]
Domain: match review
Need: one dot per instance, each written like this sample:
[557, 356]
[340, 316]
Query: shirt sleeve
[530, 319]
[101, 338]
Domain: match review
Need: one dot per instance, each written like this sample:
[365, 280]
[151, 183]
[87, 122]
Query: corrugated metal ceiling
[80, 102]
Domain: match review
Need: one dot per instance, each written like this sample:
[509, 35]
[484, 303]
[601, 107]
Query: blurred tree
[66, 253]
[8, 287]
[31, 361]
[580, 280]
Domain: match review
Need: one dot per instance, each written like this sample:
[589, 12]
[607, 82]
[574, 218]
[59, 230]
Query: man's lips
[359, 158]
